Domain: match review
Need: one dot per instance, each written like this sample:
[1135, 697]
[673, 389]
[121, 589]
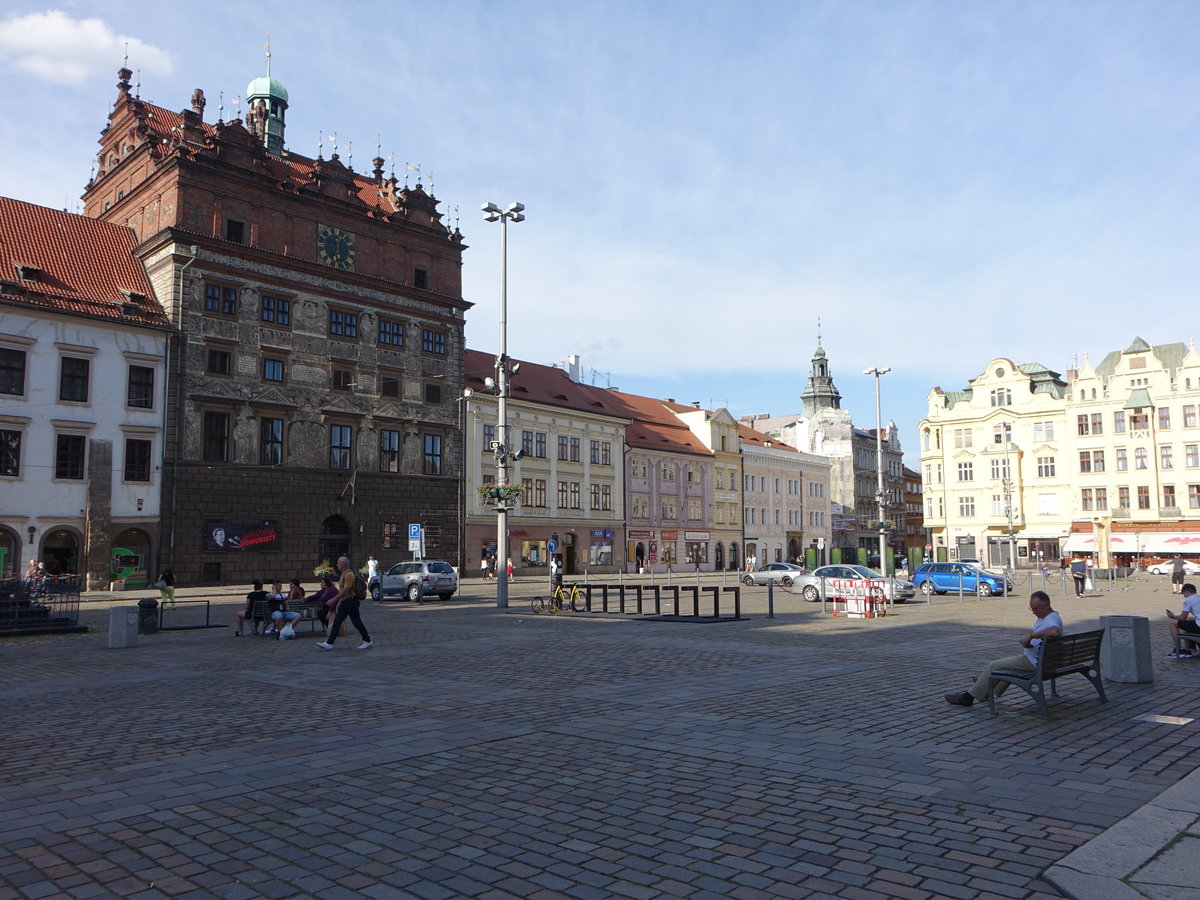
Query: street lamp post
[1008, 486]
[878, 373]
[492, 213]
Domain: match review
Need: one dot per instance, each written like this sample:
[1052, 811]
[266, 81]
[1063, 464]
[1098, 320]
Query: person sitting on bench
[1184, 627]
[255, 596]
[1049, 624]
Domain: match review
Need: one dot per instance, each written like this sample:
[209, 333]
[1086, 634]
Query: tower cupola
[266, 110]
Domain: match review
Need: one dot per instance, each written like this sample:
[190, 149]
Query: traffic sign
[552, 545]
[929, 547]
[414, 536]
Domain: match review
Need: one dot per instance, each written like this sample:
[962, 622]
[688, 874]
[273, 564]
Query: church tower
[820, 392]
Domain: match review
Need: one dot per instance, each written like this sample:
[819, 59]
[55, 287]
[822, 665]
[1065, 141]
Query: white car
[1164, 568]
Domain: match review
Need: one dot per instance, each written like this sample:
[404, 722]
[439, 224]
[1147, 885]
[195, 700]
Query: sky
[936, 183]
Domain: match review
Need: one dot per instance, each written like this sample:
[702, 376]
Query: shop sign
[670, 535]
[696, 535]
[242, 537]
[606, 533]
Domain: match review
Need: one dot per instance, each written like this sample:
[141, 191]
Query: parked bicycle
[564, 598]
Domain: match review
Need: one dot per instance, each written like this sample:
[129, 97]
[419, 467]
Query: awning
[1186, 543]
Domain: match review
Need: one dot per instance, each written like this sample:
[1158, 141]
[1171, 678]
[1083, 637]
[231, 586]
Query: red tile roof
[84, 265]
[540, 384]
[655, 427]
[749, 436]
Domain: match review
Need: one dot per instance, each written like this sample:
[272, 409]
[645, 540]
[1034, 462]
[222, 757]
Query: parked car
[1164, 568]
[938, 578]
[815, 585]
[414, 580]
[779, 573]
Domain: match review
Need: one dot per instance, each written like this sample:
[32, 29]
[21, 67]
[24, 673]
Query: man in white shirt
[1049, 624]
[1185, 627]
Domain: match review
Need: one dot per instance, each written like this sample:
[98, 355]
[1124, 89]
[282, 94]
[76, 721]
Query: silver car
[815, 586]
[414, 580]
[778, 573]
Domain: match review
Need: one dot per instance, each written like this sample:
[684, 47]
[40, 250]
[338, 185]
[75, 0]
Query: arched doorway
[335, 540]
[10, 553]
[719, 557]
[129, 560]
[60, 552]
[735, 560]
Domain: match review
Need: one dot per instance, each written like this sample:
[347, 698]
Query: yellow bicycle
[564, 598]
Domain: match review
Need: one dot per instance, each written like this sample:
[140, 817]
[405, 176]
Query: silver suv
[413, 580]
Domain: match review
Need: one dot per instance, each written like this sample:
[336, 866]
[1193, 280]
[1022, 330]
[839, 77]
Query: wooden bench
[1067, 654]
[308, 613]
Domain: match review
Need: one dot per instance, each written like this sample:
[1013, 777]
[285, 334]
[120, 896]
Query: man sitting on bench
[1185, 631]
[1048, 624]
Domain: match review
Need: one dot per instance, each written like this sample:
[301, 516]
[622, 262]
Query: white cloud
[56, 48]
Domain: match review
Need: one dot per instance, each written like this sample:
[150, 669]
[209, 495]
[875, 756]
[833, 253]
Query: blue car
[938, 578]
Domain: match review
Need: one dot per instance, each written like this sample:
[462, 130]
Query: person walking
[1177, 569]
[166, 587]
[509, 569]
[1079, 574]
[349, 599]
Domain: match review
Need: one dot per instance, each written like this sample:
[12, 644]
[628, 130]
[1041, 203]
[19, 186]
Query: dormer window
[29, 273]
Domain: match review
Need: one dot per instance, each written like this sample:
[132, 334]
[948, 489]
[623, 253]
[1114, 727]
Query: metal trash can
[148, 615]
[1125, 654]
[123, 626]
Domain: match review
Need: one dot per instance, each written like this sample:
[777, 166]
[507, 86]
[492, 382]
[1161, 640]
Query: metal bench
[1067, 654]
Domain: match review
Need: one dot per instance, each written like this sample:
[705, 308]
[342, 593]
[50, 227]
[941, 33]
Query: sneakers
[1179, 654]
[963, 699]
[325, 646]
[270, 630]
[365, 645]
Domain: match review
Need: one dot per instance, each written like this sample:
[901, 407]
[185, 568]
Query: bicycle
[568, 599]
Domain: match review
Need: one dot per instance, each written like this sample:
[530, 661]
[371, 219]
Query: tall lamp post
[1008, 507]
[878, 373]
[492, 213]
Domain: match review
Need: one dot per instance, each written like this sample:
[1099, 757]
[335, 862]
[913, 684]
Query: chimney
[574, 370]
[695, 404]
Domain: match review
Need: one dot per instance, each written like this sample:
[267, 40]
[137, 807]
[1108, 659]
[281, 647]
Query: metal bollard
[771, 596]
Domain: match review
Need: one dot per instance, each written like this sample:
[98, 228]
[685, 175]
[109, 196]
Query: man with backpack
[352, 588]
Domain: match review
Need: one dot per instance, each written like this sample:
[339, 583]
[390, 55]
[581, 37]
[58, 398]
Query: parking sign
[414, 536]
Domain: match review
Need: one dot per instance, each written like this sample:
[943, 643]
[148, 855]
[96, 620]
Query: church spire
[821, 393]
[266, 109]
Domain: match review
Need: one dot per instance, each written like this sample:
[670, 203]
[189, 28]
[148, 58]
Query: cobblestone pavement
[475, 752]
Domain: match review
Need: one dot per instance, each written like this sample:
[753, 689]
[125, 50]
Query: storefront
[600, 548]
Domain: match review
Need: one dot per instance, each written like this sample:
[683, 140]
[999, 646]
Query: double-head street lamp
[1008, 492]
[878, 372]
[492, 213]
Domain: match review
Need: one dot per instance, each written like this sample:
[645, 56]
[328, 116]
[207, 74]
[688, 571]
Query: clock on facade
[335, 247]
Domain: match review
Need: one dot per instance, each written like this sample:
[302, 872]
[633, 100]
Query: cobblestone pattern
[476, 753]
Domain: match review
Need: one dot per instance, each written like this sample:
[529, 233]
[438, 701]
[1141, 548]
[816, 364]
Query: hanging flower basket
[499, 493]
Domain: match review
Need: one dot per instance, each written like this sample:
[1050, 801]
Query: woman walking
[166, 587]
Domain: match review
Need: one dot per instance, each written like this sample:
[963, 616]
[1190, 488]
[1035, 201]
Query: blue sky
[940, 183]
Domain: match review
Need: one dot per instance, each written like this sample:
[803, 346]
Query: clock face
[335, 247]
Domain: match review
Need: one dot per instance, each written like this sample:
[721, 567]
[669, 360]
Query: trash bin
[148, 615]
[123, 626]
[1125, 654]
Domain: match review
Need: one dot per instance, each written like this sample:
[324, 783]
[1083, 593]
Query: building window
[137, 460]
[1085, 460]
[343, 324]
[219, 361]
[1192, 455]
[216, 437]
[594, 491]
[594, 454]
[1082, 423]
[1043, 431]
[342, 380]
[339, 447]
[73, 379]
[1085, 499]
[1122, 460]
[1001, 397]
[575, 452]
[275, 311]
[10, 453]
[12, 371]
[638, 468]
[391, 333]
[272, 369]
[1045, 467]
[539, 445]
[966, 471]
[389, 384]
[966, 507]
[1101, 498]
[1097, 423]
[1000, 469]
[574, 495]
[562, 495]
[141, 387]
[1097, 460]
[562, 447]
[1166, 457]
[962, 438]
[433, 341]
[1189, 417]
[667, 508]
[68, 457]
[489, 437]
[1139, 458]
[606, 453]
[1122, 498]
[433, 454]
[270, 442]
[1139, 421]
[389, 450]
[667, 471]
[1119, 421]
[433, 393]
[1143, 496]
[235, 231]
[695, 512]
[221, 300]
[1164, 417]
[527, 443]
[641, 506]
[1168, 495]
[420, 278]
[606, 496]
[1194, 496]
[539, 492]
